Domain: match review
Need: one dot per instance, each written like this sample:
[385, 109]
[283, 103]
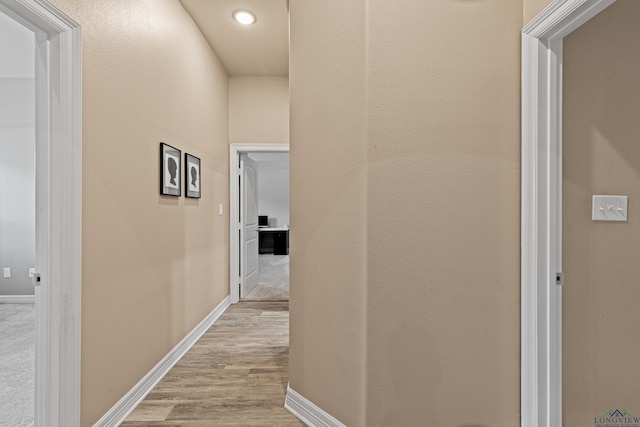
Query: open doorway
[600, 242]
[58, 209]
[542, 278]
[17, 222]
[259, 231]
[272, 191]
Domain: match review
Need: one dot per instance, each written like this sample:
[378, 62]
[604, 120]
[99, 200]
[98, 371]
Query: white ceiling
[261, 49]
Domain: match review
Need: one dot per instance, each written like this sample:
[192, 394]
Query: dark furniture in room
[273, 240]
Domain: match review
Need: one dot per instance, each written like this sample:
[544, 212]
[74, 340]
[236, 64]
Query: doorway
[258, 215]
[541, 221]
[58, 206]
[601, 156]
[17, 222]
[272, 207]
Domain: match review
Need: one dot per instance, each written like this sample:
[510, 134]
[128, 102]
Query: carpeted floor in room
[17, 365]
[273, 279]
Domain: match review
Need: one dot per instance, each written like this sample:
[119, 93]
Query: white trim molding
[58, 209]
[235, 150]
[119, 412]
[307, 412]
[541, 220]
[17, 299]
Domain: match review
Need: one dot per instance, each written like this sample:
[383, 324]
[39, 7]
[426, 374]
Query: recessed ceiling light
[244, 17]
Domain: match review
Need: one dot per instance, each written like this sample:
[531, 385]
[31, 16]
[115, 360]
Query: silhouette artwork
[173, 168]
[169, 170]
[192, 176]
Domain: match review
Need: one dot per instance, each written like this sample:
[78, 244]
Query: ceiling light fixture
[244, 17]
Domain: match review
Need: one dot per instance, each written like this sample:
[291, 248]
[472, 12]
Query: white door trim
[59, 209]
[541, 210]
[234, 210]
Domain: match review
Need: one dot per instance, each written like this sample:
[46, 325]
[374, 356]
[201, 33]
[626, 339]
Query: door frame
[541, 209]
[235, 225]
[58, 209]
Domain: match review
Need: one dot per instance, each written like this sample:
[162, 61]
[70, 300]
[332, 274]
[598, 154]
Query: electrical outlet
[7, 272]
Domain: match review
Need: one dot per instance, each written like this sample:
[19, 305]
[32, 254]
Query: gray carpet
[17, 365]
[273, 279]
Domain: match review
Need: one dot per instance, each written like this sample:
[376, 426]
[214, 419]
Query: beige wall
[328, 206]
[259, 109]
[405, 134]
[533, 8]
[600, 259]
[443, 218]
[153, 267]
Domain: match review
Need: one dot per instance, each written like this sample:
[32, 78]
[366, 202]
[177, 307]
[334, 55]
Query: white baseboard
[17, 299]
[128, 403]
[307, 412]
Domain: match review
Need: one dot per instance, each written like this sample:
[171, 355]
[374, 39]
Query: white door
[249, 226]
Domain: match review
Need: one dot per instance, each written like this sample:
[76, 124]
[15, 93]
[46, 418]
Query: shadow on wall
[603, 100]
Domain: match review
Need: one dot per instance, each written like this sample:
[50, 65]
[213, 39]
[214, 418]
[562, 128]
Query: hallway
[235, 375]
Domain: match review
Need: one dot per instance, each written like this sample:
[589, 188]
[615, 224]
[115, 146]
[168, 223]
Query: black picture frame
[192, 173]
[170, 172]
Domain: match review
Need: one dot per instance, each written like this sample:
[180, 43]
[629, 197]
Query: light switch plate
[32, 271]
[609, 208]
[7, 272]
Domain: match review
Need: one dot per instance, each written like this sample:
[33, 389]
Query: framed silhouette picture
[191, 176]
[170, 170]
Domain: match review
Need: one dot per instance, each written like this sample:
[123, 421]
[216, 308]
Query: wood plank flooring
[235, 375]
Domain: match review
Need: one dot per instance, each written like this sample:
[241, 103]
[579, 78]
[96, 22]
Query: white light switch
[220, 210]
[7, 272]
[32, 271]
[609, 208]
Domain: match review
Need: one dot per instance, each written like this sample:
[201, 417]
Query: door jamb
[541, 209]
[59, 202]
[235, 150]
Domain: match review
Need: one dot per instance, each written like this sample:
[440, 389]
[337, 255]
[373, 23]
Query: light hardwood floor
[235, 375]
